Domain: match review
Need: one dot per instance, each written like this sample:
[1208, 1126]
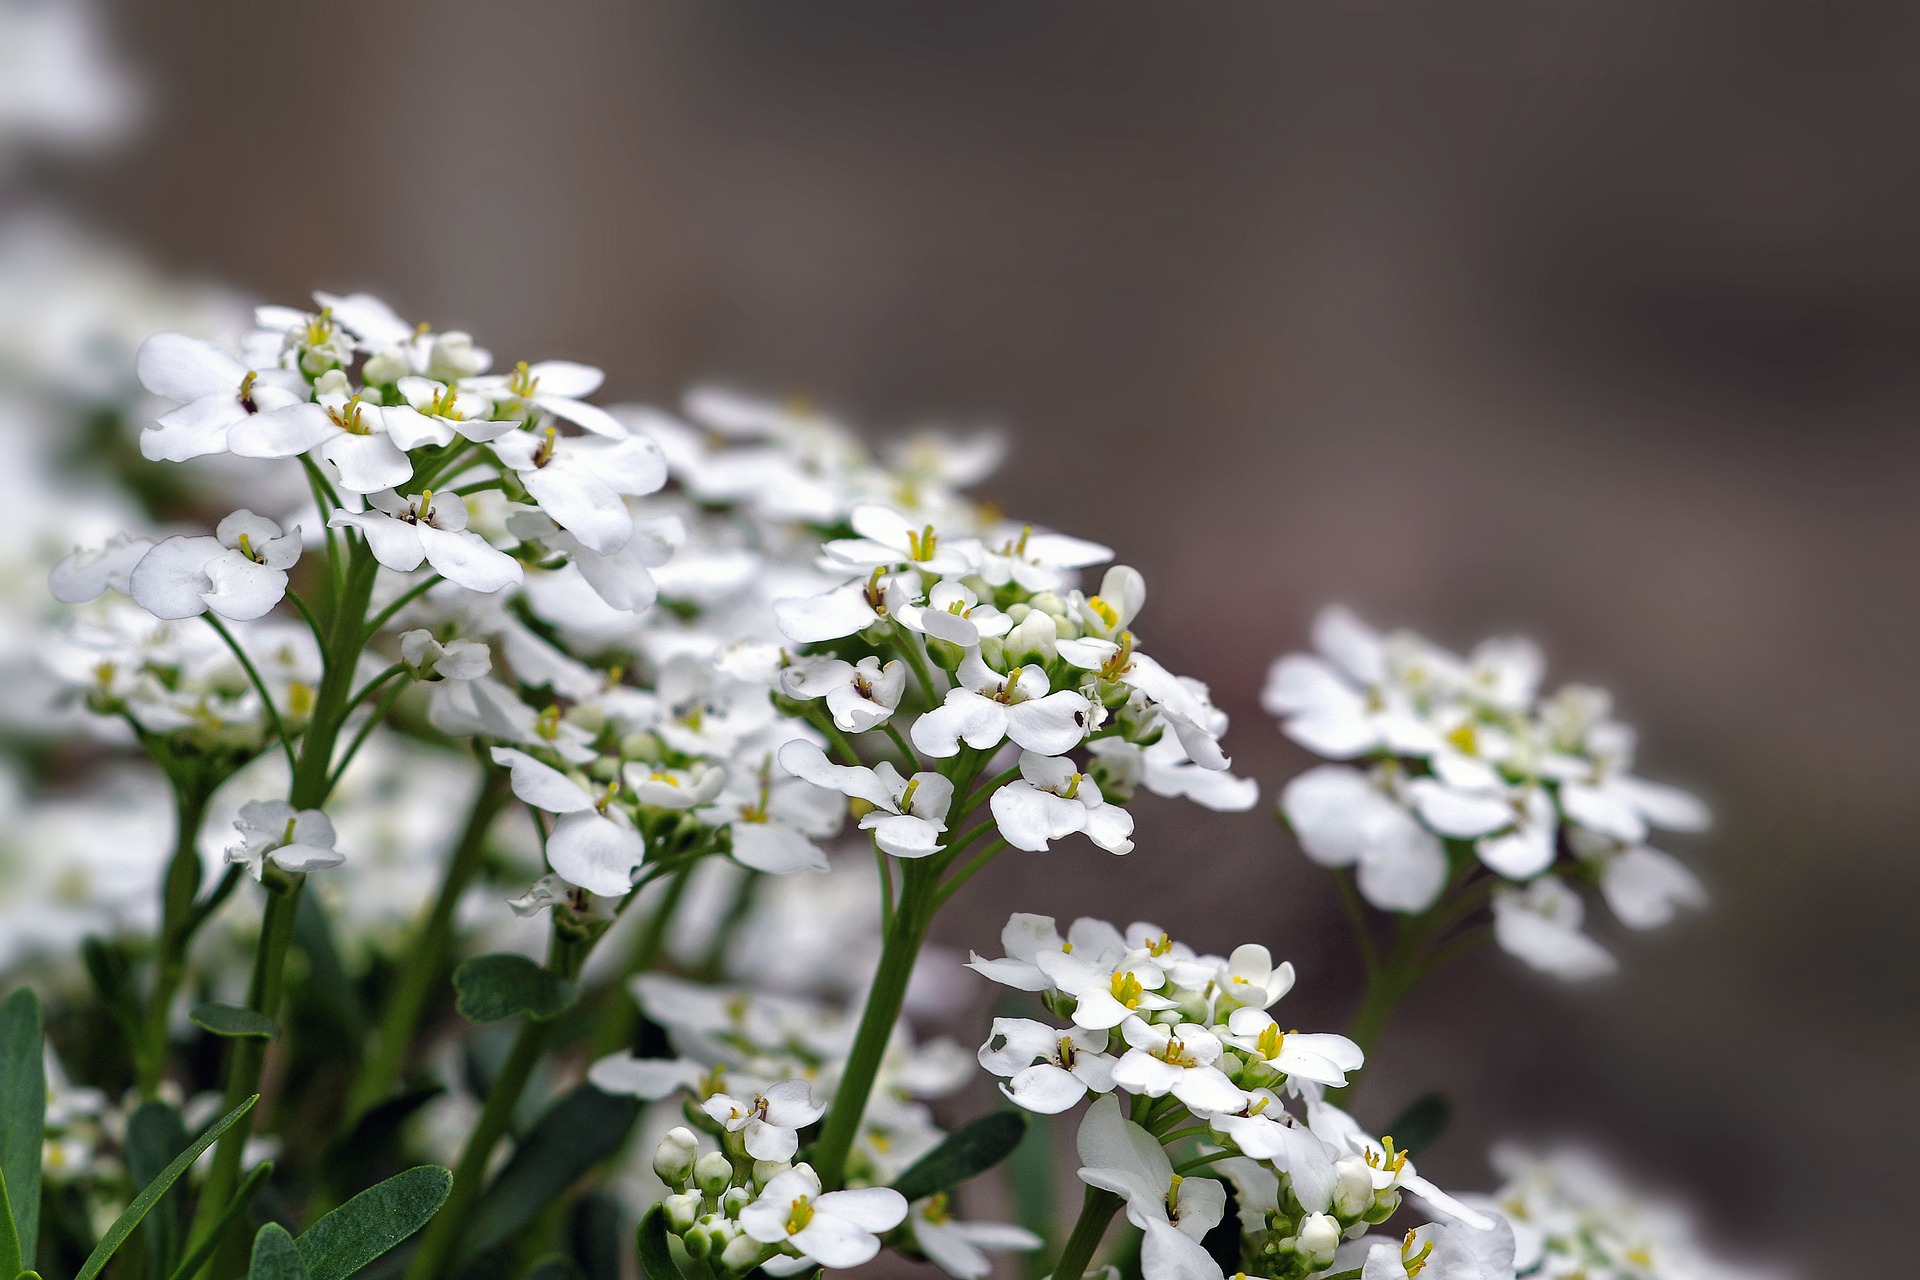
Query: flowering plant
[582, 784]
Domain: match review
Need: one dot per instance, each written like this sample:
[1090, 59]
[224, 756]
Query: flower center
[1127, 989]
[800, 1215]
[1122, 660]
[1387, 1159]
[347, 417]
[920, 545]
[246, 392]
[1415, 1261]
[521, 381]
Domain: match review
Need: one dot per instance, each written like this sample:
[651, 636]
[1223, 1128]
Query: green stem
[616, 1026]
[373, 721]
[425, 956]
[1096, 1211]
[1357, 918]
[259, 685]
[966, 873]
[177, 921]
[400, 602]
[900, 948]
[247, 1054]
[564, 958]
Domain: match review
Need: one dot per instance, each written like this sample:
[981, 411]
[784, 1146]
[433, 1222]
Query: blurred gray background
[1596, 321]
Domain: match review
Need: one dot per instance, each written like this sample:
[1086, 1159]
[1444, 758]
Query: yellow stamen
[801, 1215]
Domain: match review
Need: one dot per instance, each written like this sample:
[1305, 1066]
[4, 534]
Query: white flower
[1107, 990]
[580, 482]
[1644, 886]
[1026, 937]
[1165, 769]
[770, 1124]
[958, 1248]
[860, 696]
[215, 393]
[1175, 1213]
[1181, 703]
[1177, 1060]
[666, 788]
[1318, 1056]
[456, 659]
[89, 573]
[1047, 1071]
[554, 386]
[445, 412]
[889, 540]
[296, 839]
[432, 527]
[1540, 924]
[1251, 978]
[1347, 702]
[837, 1229]
[774, 820]
[908, 815]
[846, 610]
[649, 1078]
[1512, 827]
[1344, 819]
[1441, 1251]
[1036, 561]
[365, 447]
[239, 573]
[1386, 1169]
[1053, 799]
[592, 844]
[988, 708]
[953, 613]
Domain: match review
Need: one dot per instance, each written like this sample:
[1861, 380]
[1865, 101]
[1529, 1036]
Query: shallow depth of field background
[1596, 321]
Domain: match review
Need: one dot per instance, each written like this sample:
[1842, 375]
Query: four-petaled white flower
[431, 659]
[1175, 1213]
[860, 695]
[770, 1123]
[1178, 1060]
[215, 393]
[583, 483]
[239, 573]
[1036, 561]
[593, 844]
[988, 708]
[296, 840]
[908, 816]
[959, 1248]
[889, 540]
[403, 531]
[366, 447]
[1053, 799]
[551, 386]
[1540, 923]
[834, 1229]
[1047, 1070]
[1322, 1057]
[1345, 818]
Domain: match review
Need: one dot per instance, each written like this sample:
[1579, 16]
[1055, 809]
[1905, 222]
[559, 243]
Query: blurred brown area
[1596, 320]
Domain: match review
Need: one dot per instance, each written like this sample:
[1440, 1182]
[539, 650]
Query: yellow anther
[936, 1209]
[1127, 989]
[1158, 946]
[920, 545]
[1387, 1159]
[1271, 1040]
[347, 417]
[1122, 660]
[521, 382]
[300, 697]
[1414, 1261]
[1020, 548]
[800, 1216]
[544, 454]
[445, 404]
[876, 594]
[547, 723]
[1465, 739]
[1108, 614]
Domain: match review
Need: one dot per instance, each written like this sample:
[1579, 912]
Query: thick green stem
[904, 936]
[1096, 1211]
[425, 956]
[564, 958]
[177, 921]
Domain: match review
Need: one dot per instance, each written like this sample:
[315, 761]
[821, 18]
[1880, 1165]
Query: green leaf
[242, 1198]
[155, 1135]
[374, 1141]
[555, 1266]
[500, 985]
[124, 1224]
[656, 1259]
[9, 1241]
[574, 1134]
[970, 1150]
[232, 1020]
[23, 1114]
[1422, 1123]
[275, 1257]
[373, 1222]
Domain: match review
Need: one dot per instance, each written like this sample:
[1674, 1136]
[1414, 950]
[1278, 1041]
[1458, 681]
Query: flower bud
[713, 1172]
[673, 1158]
[1352, 1187]
[734, 1199]
[1319, 1236]
[697, 1244]
[765, 1171]
[681, 1211]
[384, 369]
[742, 1254]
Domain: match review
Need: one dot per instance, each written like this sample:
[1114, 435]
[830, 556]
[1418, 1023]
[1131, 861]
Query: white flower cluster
[1462, 767]
[753, 1065]
[1180, 1046]
[1573, 1219]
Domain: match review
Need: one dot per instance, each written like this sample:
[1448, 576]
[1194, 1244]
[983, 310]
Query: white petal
[965, 716]
[1051, 725]
[776, 849]
[649, 1078]
[185, 369]
[283, 433]
[1029, 817]
[241, 589]
[871, 1208]
[466, 558]
[366, 463]
[540, 785]
[1604, 809]
[582, 504]
[829, 616]
[169, 579]
[395, 543]
[1645, 887]
[835, 1242]
[595, 853]
[1461, 814]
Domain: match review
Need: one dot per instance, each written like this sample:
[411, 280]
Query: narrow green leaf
[242, 1198]
[1422, 1123]
[274, 1256]
[9, 1239]
[155, 1135]
[656, 1259]
[970, 1150]
[232, 1020]
[373, 1222]
[23, 1114]
[124, 1224]
[500, 985]
[574, 1134]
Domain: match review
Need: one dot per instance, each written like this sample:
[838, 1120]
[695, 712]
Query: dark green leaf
[656, 1259]
[275, 1257]
[9, 1242]
[124, 1224]
[373, 1142]
[107, 970]
[972, 1149]
[373, 1222]
[503, 984]
[576, 1133]
[23, 1114]
[598, 1222]
[232, 1020]
[555, 1266]
[1422, 1123]
[155, 1135]
[191, 1264]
